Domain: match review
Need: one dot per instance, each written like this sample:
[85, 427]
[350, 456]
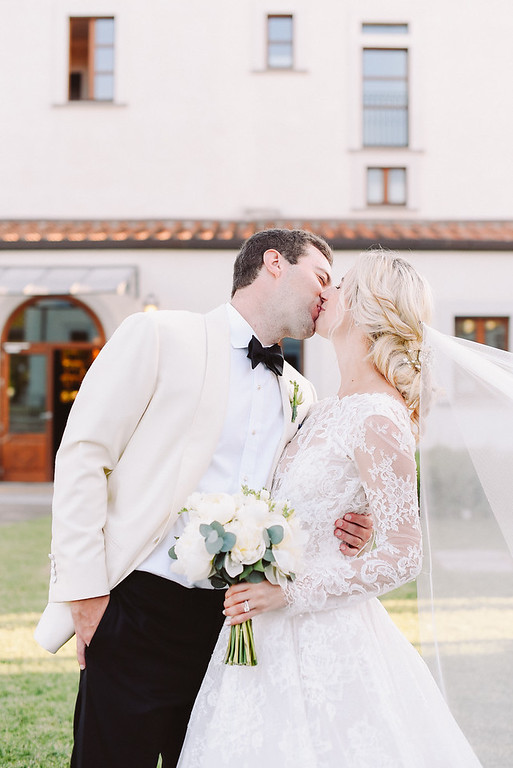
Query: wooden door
[48, 344]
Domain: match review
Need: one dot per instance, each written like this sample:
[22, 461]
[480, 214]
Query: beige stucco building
[144, 142]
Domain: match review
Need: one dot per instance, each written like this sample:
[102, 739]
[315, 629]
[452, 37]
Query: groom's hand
[354, 531]
[87, 615]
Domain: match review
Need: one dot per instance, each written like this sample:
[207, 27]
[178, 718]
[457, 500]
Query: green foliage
[275, 533]
[255, 577]
[216, 538]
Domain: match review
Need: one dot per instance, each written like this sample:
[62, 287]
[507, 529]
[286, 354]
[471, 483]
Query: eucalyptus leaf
[205, 529]
[223, 574]
[217, 527]
[245, 573]
[217, 582]
[255, 577]
[229, 542]
[213, 543]
[275, 534]
[172, 553]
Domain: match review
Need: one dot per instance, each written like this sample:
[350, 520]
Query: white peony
[254, 510]
[289, 552]
[249, 546]
[193, 561]
[208, 507]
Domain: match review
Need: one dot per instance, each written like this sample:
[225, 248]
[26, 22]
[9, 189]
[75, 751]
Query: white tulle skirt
[333, 689]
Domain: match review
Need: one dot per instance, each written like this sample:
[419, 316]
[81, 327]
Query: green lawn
[37, 690]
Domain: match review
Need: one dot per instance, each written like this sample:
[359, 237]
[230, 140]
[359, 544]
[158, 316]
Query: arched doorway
[47, 346]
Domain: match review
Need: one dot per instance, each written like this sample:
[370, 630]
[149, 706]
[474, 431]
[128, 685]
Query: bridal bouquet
[246, 536]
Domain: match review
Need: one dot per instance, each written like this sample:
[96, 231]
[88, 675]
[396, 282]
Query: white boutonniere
[295, 397]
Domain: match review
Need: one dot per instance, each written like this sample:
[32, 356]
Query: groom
[176, 402]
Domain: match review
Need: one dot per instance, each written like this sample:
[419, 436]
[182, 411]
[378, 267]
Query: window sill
[278, 71]
[393, 206]
[404, 150]
[89, 103]
[385, 208]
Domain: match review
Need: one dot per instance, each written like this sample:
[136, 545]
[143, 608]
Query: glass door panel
[27, 393]
[27, 420]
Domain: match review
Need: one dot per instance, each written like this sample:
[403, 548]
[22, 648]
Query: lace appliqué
[355, 454]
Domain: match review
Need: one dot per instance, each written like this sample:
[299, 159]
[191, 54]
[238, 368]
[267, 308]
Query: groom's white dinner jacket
[140, 436]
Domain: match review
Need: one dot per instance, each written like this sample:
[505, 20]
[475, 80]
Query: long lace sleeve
[384, 459]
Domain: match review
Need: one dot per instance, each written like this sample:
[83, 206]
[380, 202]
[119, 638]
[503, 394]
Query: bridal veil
[466, 586]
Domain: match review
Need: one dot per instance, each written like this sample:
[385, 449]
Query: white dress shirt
[249, 439]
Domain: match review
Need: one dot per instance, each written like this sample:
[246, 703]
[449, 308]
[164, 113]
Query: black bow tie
[271, 357]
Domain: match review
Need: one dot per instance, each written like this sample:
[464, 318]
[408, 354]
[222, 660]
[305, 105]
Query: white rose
[193, 561]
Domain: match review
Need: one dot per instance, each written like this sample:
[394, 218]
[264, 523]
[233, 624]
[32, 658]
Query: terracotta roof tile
[343, 234]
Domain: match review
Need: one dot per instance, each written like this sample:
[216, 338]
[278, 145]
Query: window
[386, 186]
[279, 42]
[91, 59]
[385, 97]
[492, 331]
[385, 29]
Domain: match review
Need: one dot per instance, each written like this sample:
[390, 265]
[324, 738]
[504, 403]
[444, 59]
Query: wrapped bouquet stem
[241, 645]
[229, 539]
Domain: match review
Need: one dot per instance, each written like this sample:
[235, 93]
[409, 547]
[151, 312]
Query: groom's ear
[273, 262]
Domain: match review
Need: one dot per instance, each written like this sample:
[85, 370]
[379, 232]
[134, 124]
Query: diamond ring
[246, 606]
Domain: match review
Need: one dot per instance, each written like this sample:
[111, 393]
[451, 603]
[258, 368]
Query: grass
[37, 690]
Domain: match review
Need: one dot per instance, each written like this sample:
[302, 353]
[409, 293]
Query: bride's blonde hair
[390, 301]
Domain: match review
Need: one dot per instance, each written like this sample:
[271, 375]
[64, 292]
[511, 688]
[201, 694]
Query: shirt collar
[240, 330]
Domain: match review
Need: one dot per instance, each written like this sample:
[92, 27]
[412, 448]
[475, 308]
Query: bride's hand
[260, 597]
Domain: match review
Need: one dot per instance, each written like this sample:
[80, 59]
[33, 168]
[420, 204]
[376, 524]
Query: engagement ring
[246, 606]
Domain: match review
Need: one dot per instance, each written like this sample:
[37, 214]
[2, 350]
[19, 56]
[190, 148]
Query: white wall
[462, 283]
[198, 129]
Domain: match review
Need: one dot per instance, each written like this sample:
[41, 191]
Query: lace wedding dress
[336, 685]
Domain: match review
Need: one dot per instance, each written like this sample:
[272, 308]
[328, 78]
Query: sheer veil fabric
[466, 585]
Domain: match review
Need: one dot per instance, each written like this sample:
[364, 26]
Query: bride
[337, 684]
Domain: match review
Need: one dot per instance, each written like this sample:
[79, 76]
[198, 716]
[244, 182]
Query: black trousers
[144, 667]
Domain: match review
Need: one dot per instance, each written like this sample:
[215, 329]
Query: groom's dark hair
[291, 243]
